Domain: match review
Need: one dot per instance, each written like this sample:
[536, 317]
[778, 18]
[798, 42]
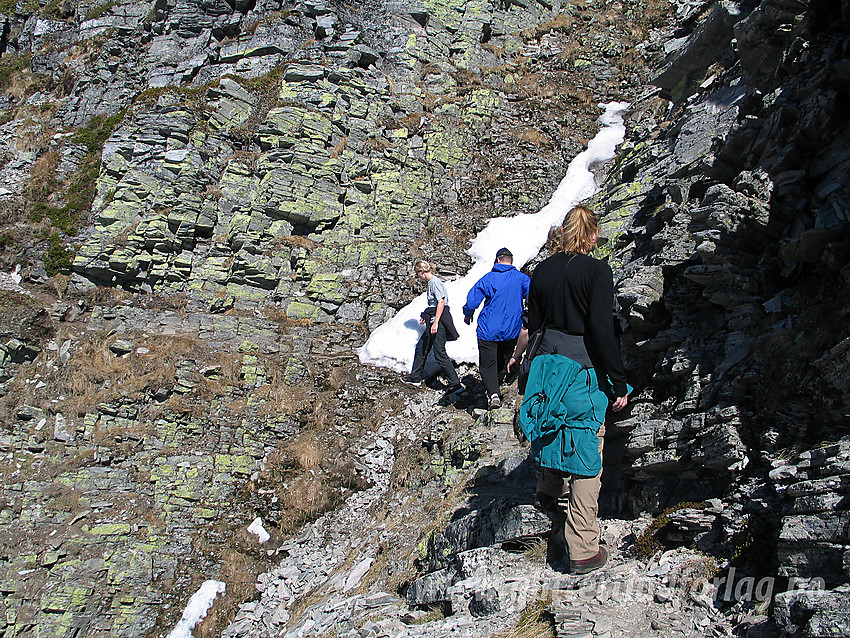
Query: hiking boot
[454, 388]
[544, 502]
[416, 383]
[495, 402]
[589, 564]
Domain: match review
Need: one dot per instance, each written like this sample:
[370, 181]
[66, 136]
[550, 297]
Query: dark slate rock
[518, 523]
[815, 614]
[692, 56]
[484, 602]
[479, 562]
[763, 36]
[835, 367]
[122, 347]
[431, 588]
[707, 122]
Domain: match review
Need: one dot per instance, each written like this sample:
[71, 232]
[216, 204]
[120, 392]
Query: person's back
[502, 290]
[573, 293]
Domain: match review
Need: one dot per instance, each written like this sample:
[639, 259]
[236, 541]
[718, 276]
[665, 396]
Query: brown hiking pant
[581, 530]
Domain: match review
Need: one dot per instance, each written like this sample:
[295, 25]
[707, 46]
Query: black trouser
[438, 342]
[493, 357]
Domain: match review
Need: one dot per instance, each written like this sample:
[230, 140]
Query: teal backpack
[561, 415]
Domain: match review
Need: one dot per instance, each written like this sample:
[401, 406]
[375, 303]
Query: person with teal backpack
[576, 372]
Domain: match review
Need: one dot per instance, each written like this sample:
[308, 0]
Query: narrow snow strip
[391, 345]
[197, 608]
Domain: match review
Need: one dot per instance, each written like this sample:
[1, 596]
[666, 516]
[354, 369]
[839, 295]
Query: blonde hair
[576, 233]
[424, 266]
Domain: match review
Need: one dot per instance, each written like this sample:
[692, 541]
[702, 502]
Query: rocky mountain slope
[214, 203]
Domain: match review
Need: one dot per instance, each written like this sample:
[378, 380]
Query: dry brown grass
[240, 572]
[533, 84]
[96, 375]
[283, 321]
[35, 133]
[212, 191]
[42, 182]
[534, 622]
[571, 50]
[431, 101]
[376, 144]
[121, 437]
[412, 122]
[176, 303]
[338, 377]
[494, 49]
[465, 78]
[220, 385]
[23, 83]
[652, 15]
[430, 69]
[295, 472]
[299, 241]
[561, 22]
[247, 159]
[306, 450]
[312, 472]
[102, 296]
[337, 150]
[12, 212]
[532, 136]
[537, 550]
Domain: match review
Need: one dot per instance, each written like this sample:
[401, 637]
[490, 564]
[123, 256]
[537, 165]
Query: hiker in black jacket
[569, 305]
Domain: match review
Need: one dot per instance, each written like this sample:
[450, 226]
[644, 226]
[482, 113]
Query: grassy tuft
[648, 543]
[96, 375]
[57, 258]
[537, 551]
[80, 196]
[95, 12]
[97, 131]
[11, 66]
[8, 240]
[80, 191]
[311, 474]
[534, 622]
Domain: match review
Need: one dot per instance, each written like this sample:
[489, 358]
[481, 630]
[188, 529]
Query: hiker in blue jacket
[502, 290]
[576, 373]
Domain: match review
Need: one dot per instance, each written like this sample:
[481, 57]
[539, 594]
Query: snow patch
[197, 608]
[256, 527]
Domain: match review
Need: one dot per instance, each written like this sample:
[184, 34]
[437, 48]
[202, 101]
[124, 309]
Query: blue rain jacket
[502, 291]
[561, 414]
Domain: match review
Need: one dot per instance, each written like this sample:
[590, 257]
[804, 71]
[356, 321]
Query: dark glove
[467, 320]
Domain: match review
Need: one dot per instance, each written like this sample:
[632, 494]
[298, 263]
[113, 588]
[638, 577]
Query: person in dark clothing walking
[571, 300]
[439, 328]
[502, 290]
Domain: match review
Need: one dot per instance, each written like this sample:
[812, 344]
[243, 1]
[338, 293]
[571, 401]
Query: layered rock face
[734, 263]
[259, 177]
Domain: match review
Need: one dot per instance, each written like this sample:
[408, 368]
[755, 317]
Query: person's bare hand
[620, 403]
[434, 328]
